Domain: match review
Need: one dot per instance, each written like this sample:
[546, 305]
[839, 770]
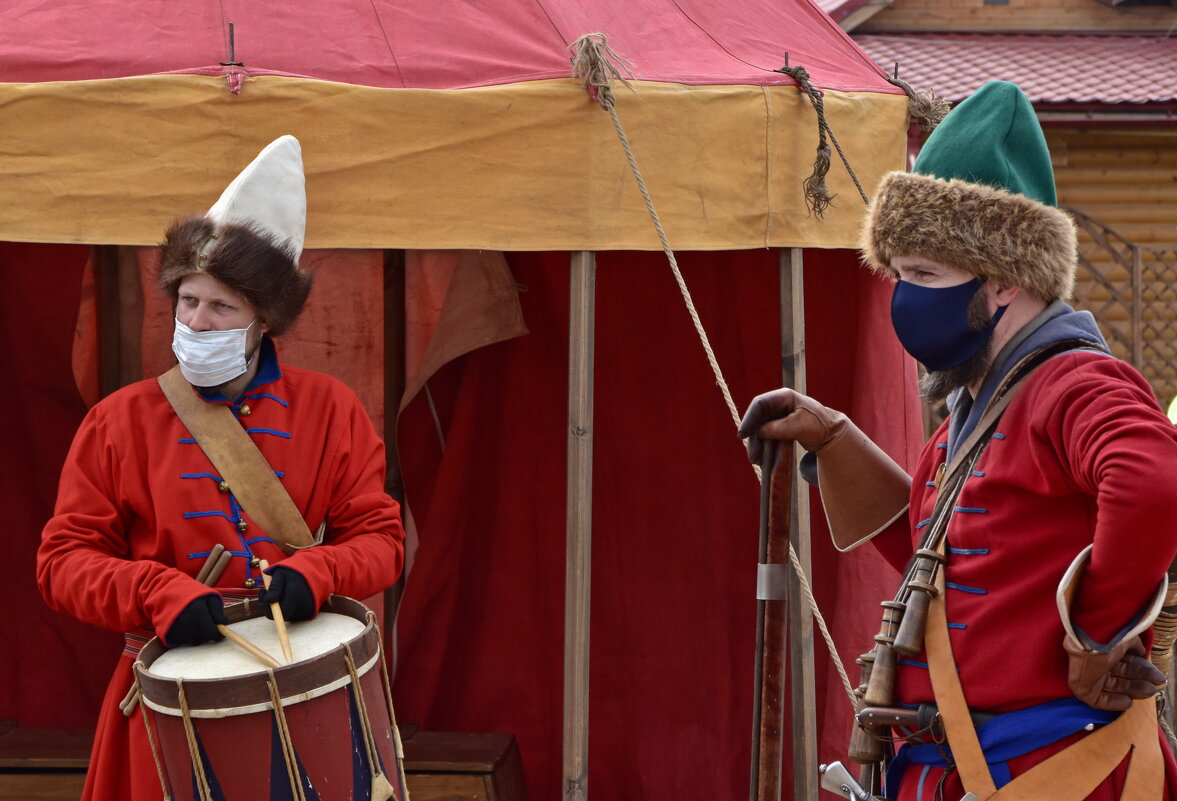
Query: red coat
[139, 508]
[1083, 455]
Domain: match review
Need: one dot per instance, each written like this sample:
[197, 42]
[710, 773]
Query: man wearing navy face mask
[141, 508]
[1041, 513]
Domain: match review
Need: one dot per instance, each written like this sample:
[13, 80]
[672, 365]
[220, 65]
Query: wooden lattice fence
[1132, 291]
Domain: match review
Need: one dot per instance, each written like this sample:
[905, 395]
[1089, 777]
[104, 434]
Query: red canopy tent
[435, 131]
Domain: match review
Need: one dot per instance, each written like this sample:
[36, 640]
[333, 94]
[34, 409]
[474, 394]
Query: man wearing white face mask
[1035, 531]
[141, 508]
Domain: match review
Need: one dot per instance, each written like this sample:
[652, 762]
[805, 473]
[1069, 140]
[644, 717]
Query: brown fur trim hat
[251, 239]
[243, 258]
[981, 198]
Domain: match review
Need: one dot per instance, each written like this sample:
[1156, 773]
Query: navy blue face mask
[933, 323]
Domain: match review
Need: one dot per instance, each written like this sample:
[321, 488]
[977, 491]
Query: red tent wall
[44, 681]
[674, 519]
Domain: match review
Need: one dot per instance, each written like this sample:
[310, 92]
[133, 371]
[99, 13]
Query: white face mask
[210, 358]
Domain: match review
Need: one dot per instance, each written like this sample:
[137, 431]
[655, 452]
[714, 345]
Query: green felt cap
[992, 138]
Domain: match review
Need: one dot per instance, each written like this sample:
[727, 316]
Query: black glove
[291, 592]
[197, 623]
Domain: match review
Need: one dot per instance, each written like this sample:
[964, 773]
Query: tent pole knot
[817, 194]
[598, 64]
[923, 106]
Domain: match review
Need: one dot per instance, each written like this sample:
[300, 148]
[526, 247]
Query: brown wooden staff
[771, 622]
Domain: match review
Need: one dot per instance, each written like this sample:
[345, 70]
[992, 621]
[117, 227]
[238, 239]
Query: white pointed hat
[269, 193]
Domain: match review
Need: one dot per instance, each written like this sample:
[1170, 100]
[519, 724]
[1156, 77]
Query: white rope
[589, 60]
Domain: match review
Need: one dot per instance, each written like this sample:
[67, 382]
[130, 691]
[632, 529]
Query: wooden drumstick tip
[209, 562]
[279, 618]
[130, 701]
[214, 575]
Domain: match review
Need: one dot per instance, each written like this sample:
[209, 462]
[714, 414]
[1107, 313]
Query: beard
[937, 385]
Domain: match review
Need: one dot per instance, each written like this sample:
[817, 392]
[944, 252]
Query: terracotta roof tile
[1073, 68]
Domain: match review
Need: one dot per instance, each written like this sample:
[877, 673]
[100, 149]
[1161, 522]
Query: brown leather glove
[1111, 679]
[862, 488]
[787, 415]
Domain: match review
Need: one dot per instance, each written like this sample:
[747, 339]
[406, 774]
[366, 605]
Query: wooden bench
[50, 765]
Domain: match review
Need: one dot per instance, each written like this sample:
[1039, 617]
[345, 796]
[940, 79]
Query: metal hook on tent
[232, 62]
[234, 78]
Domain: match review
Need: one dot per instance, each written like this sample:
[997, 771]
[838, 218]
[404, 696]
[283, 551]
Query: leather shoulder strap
[1005, 392]
[242, 466]
[1069, 775]
[957, 470]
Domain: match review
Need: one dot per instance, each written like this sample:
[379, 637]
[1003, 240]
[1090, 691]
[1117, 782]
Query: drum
[224, 726]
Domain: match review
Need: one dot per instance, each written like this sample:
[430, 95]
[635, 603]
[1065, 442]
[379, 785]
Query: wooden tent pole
[579, 518]
[394, 390]
[801, 671]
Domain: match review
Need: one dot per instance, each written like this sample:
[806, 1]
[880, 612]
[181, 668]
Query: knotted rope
[817, 195]
[593, 63]
[923, 106]
[597, 63]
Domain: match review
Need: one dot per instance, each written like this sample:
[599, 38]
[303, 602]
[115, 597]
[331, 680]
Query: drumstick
[207, 567]
[217, 569]
[279, 619]
[214, 565]
[246, 645]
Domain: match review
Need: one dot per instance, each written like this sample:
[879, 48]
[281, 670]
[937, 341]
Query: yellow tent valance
[529, 166]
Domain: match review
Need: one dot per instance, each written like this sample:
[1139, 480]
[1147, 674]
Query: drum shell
[237, 733]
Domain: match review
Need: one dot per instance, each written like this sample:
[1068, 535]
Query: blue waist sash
[1004, 737]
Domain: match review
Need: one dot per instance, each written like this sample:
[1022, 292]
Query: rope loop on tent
[591, 50]
[923, 106]
[817, 195]
[597, 63]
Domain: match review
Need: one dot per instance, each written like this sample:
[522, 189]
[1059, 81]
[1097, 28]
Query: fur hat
[981, 197]
[251, 239]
